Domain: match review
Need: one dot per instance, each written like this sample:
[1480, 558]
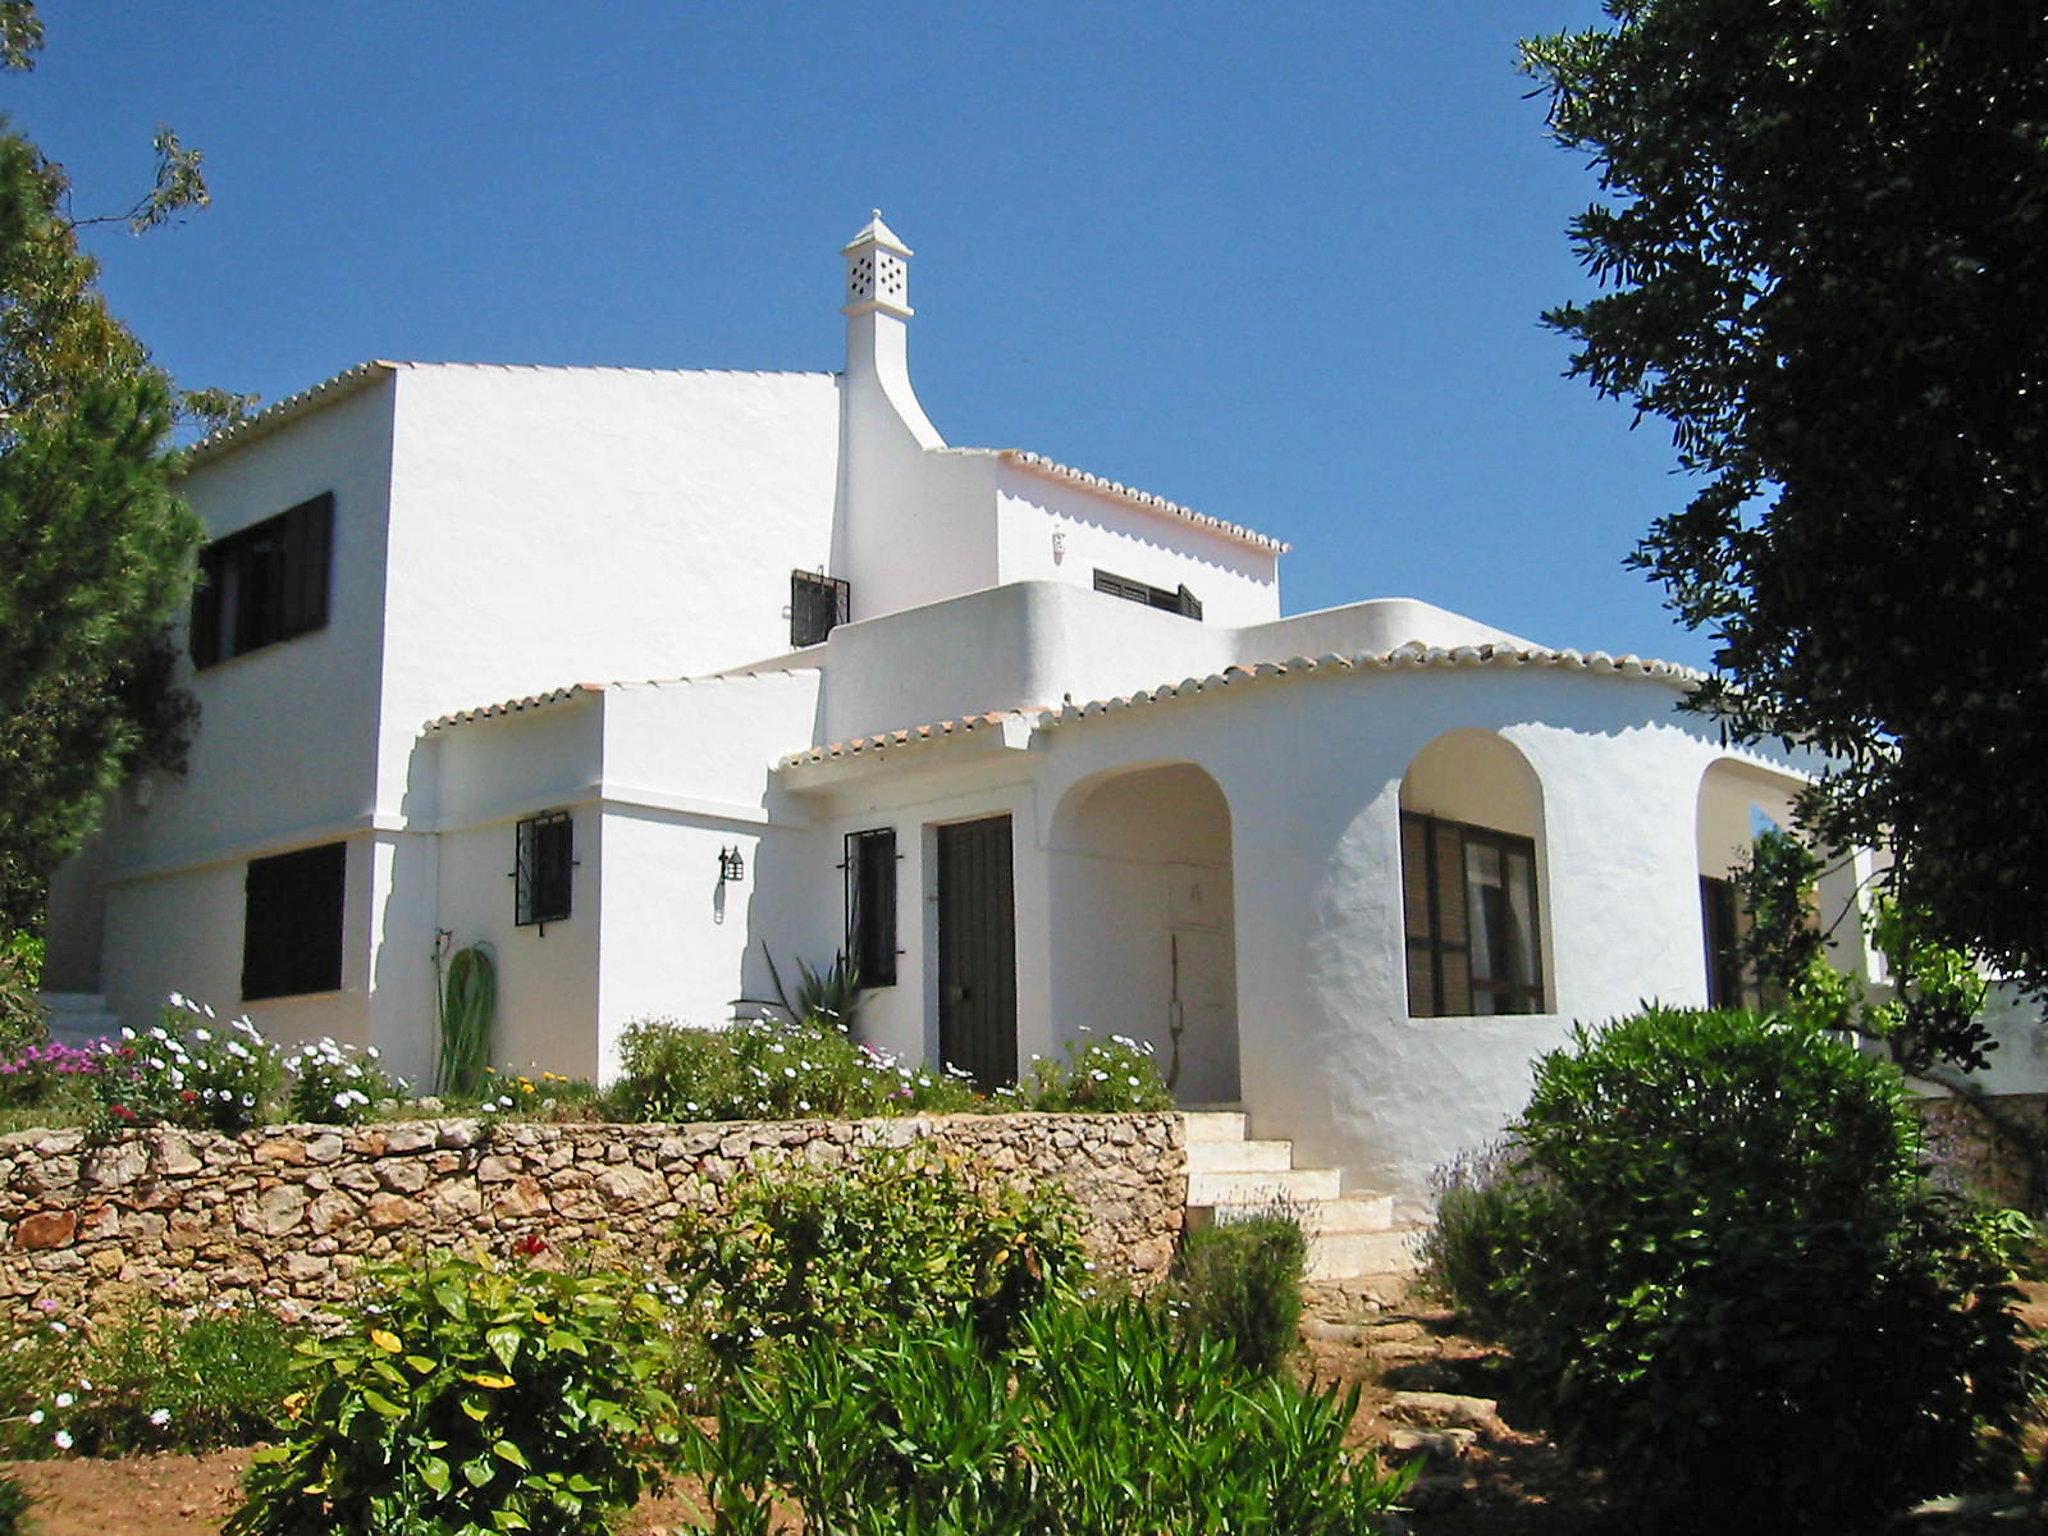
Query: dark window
[291, 922]
[1469, 898]
[545, 851]
[1721, 924]
[264, 584]
[871, 905]
[1182, 602]
[817, 602]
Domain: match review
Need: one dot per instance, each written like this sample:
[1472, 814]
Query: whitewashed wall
[1048, 530]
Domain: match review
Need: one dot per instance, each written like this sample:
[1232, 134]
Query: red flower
[531, 1246]
[189, 1096]
[122, 1112]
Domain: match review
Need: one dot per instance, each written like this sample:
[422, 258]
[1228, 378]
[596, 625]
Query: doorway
[977, 952]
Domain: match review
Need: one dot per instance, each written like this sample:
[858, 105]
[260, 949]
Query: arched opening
[1144, 922]
[1737, 801]
[1472, 879]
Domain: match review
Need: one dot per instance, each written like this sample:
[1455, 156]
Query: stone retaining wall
[288, 1213]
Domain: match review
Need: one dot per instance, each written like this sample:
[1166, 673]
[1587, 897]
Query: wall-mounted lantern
[731, 867]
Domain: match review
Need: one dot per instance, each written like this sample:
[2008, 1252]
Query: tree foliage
[94, 545]
[1825, 250]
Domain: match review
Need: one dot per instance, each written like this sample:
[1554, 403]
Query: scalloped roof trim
[940, 730]
[1144, 501]
[1413, 656]
[562, 695]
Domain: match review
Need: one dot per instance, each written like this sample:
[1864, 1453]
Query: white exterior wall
[1051, 531]
[284, 756]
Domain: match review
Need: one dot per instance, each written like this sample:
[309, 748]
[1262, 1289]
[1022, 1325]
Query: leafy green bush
[1106, 1421]
[472, 1397]
[21, 974]
[894, 1237]
[15, 1504]
[1113, 1076]
[335, 1084]
[149, 1377]
[1489, 1205]
[1735, 1293]
[1241, 1283]
[763, 1070]
[190, 1070]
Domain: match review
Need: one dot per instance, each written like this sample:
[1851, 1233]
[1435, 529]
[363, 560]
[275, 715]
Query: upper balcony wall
[1380, 625]
[1022, 644]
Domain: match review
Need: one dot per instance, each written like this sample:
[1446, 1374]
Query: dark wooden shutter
[977, 952]
[1190, 605]
[292, 921]
[871, 905]
[308, 539]
[204, 638]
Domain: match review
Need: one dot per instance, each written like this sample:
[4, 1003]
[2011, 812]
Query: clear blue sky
[1282, 262]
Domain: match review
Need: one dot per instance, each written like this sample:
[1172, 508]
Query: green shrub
[1489, 1206]
[147, 1378]
[894, 1237]
[1736, 1295]
[190, 1070]
[15, 1504]
[1113, 1076]
[466, 994]
[472, 1397]
[1241, 1283]
[1105, 1422]
[22, 1022]
[335, 1084]
[764, 1070]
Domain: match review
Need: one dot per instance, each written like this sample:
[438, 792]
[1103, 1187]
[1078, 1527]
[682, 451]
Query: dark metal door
[978, 952]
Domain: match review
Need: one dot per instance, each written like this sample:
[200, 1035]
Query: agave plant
[469, 1004]
[830, 996]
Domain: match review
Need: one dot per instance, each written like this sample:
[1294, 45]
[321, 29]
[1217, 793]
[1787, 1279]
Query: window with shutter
[817, 605]
[871, 905]
[544, 862]
[291, 922]
[264, 584]
[1182, 602]
[1469, 905]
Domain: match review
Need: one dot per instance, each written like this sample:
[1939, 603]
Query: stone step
[1215, 1125]
[1350, 1213]
[1240, 1156]
[76, 1017]
[1347, 1255]
[1296, 1186]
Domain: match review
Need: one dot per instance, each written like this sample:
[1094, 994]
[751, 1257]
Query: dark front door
[977, 952]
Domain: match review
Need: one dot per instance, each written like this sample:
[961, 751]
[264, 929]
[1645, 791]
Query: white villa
[638, 676]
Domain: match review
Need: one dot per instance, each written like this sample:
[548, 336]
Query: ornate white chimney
[877, 337]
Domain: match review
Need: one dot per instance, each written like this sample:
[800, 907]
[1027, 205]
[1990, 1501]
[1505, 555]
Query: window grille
[817, 604]
[544, 858]
[871, 905]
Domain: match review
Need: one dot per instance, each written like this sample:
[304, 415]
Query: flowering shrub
[34, 1074]
[469, 1396]
[1104, 1077]
[148, 1378]
[191, 1070]
[770, 1071]
[335, 1084]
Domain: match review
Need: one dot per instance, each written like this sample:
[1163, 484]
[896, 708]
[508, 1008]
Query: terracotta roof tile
[1413, 656]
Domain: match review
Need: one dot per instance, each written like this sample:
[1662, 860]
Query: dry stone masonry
[288, 1214]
